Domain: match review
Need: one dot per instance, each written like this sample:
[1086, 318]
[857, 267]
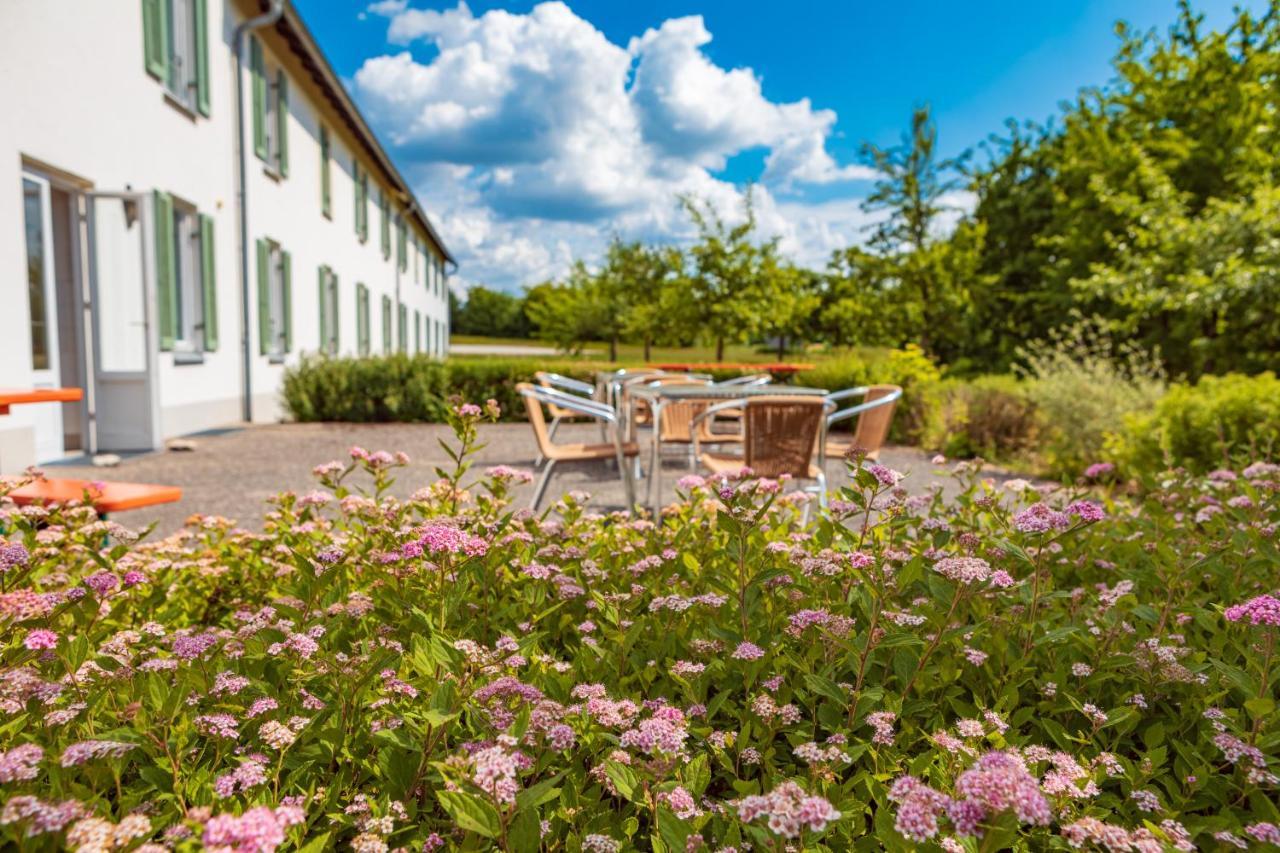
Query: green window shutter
[282, 122]
[155, 38]
[335, 322]
[386, 324]
[264, 298]
[259, 75]
[286, 277]
[324, 314]
[417, 331]
[386, 223]
[361, 317]
[208, 284]
[166, 280]
[402, 252]
[325, 188]
[355, 192]
[202, 56]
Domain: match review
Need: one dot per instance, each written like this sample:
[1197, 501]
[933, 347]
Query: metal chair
[874, 414]
[560, 413]
[535, 397]
[780, 436]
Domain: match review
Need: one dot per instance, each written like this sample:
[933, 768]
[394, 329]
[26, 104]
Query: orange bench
[106, 497]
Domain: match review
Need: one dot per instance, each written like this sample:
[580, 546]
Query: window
[439, 338]
[362, 319]
[426, 336]
[417, 331]
[270, 112]
[275, 302]
[361, 178]
[328, 299]
[185, 287]
[326, 177]
[175, 37]
[387, 343]
[402, 327]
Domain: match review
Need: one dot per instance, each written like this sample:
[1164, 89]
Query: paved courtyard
[233, 473]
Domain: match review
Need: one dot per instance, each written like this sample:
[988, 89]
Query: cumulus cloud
[534, 137]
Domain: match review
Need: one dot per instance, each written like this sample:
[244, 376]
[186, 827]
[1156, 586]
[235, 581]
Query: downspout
[242, 198]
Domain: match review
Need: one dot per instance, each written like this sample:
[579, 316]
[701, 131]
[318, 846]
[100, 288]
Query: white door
[125, 407]
[42, 299]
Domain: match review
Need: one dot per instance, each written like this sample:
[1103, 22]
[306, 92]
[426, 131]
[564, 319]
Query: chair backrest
[642, 406]
[537, 419]
[780, 434]
[544, 379]
[677, 415]
[873, 425]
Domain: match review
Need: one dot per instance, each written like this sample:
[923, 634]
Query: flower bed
[1005, 669]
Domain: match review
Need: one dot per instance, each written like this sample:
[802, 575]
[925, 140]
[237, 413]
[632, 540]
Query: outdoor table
[106, 497]
[13, 397]
[658, 396]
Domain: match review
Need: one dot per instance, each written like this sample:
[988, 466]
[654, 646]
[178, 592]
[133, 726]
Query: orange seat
[105, 497]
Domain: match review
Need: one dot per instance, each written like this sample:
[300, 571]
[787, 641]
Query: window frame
[188, 283]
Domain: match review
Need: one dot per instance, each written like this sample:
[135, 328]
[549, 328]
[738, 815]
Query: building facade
[146, 261]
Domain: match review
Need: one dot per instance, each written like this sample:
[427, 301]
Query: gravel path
[233, 473]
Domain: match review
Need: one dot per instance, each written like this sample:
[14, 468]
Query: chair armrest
[845, 414]
[573, 402]
[846, 393]
[567, 383]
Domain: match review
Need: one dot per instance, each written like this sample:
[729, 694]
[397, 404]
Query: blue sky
[533, 133]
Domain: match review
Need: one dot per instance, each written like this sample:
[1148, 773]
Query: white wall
[77, 97]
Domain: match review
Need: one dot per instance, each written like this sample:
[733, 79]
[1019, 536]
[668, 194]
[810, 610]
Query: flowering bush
[1007, 668]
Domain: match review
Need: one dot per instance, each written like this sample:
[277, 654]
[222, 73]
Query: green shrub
[1085, 385]
[909, 368]
[1208, 425]
[989, 416]
[410, 388]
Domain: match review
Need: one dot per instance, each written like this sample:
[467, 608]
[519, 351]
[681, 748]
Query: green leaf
[674, 831]
[623, 778]
[471, 813]
[315, 845]
[697, 775]
[825, 687]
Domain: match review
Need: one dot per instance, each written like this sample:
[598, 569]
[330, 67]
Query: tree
[730, 276]
[649, 279]
[572, 313]
[490, 312]
[910, 192]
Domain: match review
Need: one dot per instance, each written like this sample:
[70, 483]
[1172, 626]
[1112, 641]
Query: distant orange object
[786, 369]
[13, 397]
[105, 496]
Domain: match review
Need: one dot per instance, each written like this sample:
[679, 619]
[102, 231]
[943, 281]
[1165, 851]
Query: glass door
[42, 302]
[126, 409]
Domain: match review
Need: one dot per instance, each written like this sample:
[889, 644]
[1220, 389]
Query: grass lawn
[599, 351]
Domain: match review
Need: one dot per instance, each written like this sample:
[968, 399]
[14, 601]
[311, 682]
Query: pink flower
[748, 651]
[20, 764]
[1098, 470]
[885, 476]
[40, 638]
[1262, 610]
[1086, 511]
[882, 722]
[965, 570]
[1040, 518]
[789, 810]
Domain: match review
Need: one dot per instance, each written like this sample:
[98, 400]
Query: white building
[143, 260]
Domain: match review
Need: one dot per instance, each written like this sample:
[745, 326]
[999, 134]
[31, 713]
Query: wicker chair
[535, 397]
[745, 381]
[780, 435]
[874, 414]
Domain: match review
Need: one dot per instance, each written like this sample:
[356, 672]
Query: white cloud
[532, 138]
